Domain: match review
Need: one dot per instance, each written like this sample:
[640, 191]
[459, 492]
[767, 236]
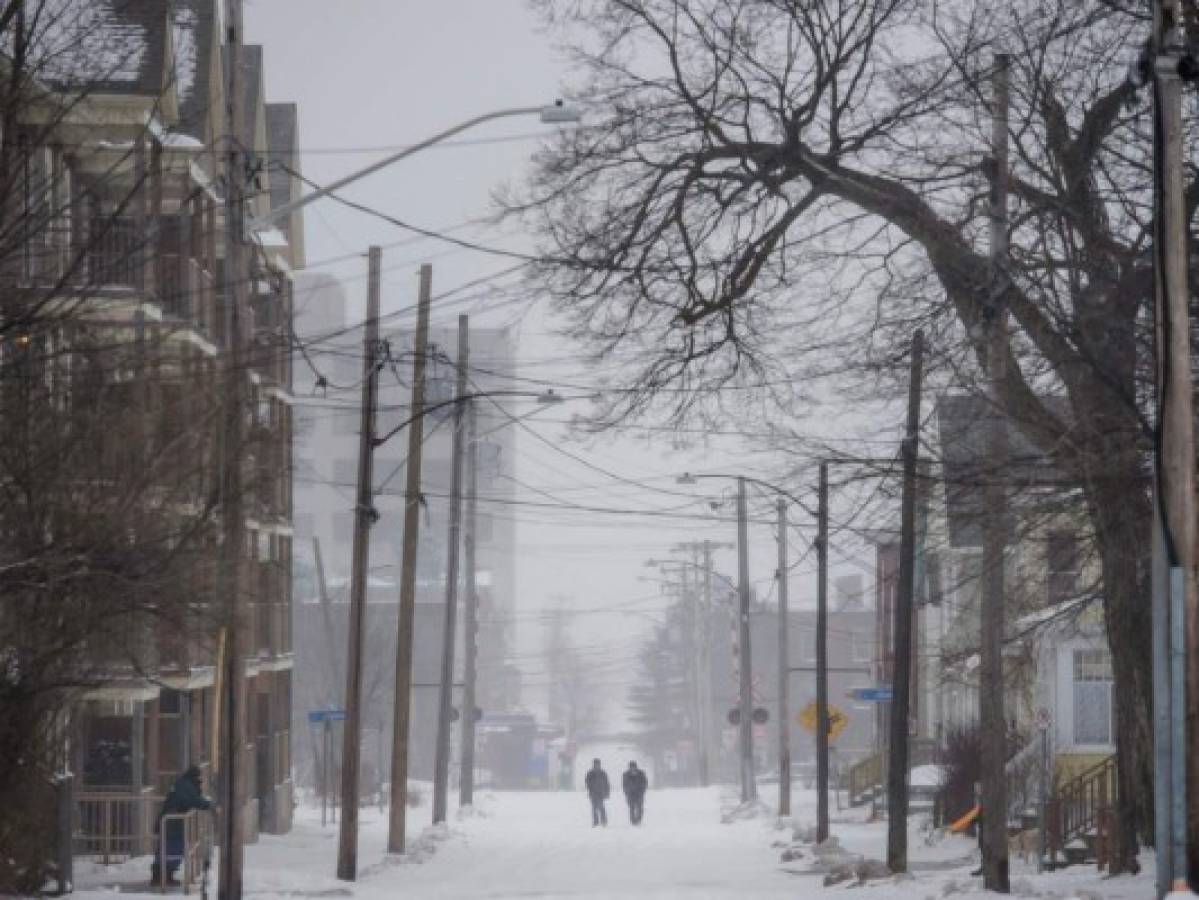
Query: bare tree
[781, 188]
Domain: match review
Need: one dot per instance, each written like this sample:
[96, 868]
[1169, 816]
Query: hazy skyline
[416, 69]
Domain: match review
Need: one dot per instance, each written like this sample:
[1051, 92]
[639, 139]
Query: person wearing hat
[634, 783]
[598, 790]
[186, 794]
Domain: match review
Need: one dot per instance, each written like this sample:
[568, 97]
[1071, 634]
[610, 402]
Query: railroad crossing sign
[837, 720]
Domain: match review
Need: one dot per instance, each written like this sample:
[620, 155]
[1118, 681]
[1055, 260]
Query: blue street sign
[326, 715]
[880, 694]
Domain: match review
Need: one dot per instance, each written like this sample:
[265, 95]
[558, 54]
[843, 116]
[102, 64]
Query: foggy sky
[384, 73]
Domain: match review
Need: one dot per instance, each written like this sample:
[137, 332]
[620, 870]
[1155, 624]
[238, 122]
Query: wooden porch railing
[1082, 809]
[113, 827]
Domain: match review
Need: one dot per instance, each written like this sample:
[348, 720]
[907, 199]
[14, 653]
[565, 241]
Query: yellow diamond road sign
[837, 720]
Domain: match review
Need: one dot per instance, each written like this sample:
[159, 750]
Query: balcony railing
[113, 252]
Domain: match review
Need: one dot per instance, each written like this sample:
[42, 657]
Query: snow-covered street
[541, 844]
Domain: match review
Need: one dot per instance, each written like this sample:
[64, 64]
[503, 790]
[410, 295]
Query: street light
[556, 113]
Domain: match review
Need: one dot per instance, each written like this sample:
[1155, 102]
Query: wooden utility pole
[705, 671]
[401, 712]
[992, 719]
[822, 722]
[364, 518]
[233, 683]
[470, 624]
[445, 694]
[901, 681]
[749, 787]
[784, 723]
[1177, 610]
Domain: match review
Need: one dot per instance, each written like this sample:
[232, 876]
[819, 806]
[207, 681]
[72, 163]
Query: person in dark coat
[634, 783]
[598, 790]
[186, 794]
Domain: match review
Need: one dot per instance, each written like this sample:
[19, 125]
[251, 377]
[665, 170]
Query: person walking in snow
[634, 783]
[598, 790]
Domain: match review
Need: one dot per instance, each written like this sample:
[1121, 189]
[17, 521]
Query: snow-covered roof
[102, 46]
[271, 238]
[1059, 612]
[193, 31]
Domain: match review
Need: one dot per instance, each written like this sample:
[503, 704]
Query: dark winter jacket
[634, 783]
[597, 784]
[185, 795]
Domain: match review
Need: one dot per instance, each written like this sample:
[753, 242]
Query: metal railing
[192, 854]
[867, 776]
[1023, 775]
[1082, 808]
[113, 827]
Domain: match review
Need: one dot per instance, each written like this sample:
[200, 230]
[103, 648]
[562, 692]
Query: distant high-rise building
[328, 392]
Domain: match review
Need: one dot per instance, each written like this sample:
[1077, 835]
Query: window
[1093, 711]
[1062, 564]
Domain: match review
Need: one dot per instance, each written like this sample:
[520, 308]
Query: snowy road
[541, 845]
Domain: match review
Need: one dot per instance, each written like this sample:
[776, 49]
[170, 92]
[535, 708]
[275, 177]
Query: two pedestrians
[598, 790]
[634, 783]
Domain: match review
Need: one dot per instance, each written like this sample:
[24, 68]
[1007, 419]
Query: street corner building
[113, 322]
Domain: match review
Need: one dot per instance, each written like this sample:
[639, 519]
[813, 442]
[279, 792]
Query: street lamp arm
[547, 113]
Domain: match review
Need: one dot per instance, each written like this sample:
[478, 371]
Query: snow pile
[419, 849]
[733, 810]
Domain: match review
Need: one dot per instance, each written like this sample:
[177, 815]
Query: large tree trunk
[1122, 515]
